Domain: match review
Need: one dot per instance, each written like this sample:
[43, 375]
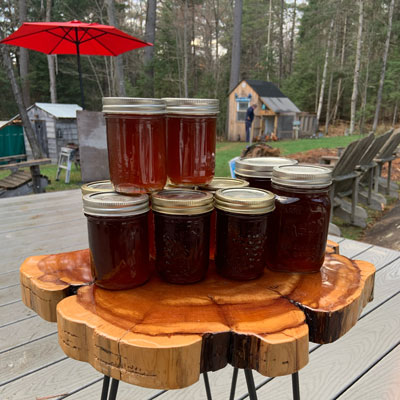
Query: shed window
[242, 107]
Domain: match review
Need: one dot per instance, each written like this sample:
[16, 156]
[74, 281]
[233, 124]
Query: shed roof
[264, 88]
[280, 104]
[59, 110]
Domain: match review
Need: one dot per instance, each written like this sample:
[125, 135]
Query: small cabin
[275, 113]
[55, 126]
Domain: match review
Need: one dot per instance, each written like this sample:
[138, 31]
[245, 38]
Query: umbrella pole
[80, 75]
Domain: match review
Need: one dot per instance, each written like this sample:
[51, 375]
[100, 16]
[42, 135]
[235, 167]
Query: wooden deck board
[381, 382]
[30, 352]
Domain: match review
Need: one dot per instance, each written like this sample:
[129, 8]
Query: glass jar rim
[112, 204]
[302, 176]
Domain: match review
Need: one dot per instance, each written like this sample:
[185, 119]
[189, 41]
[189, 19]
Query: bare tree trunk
[324, 72]
[30, 134]
[216, 21]
[385, 54]
[291, 56]
[185, 50]
[108, 74]
[24, 59]
[339, 87]
[328, 104]
[269, 38]
[395, 114]
[236, 44]
[119, 80]
[149, 50]
[356, 69]
[280, 76]
[51, 61]
[316, 90]
[364, 100]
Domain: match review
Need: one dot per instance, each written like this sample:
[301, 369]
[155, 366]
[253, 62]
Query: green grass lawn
[225, 152]
[228, 150]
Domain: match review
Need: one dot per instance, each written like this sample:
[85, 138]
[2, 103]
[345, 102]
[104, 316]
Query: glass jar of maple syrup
[182, 234]
[191, 140]
[118, 239]
[243, 216]
[258, 170]
[300, 222]
[136, 140]
[216, 184]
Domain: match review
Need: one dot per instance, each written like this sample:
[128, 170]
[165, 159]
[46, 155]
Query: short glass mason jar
[136, 140]
[300, 222]
[216, 184]
[258, 170]
[182, 234]
[118, 239]
[243, 216]
[191, 140]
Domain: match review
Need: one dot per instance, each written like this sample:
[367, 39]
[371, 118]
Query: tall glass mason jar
[182, 234]
[258, 170]
[136, 140]
[243, 218]
[191, 140]
[118, 239]
[300, 222]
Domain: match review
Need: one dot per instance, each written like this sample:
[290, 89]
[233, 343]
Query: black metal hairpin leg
[296, 386]
[114, 389]
[207, 385]
[251, 387]
[233, 384]
[104, 391]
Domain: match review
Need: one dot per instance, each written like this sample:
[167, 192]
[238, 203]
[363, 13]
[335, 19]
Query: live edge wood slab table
[163, 336]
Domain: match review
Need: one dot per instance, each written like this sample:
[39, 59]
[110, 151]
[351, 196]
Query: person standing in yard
[249, 120]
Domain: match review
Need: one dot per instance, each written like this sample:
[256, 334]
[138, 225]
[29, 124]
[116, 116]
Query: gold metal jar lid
[260, 167]
[302, 176]
[245, 200]
[112, 204]
[182, 202]
[221, 182]
[96, 187]
[192, 106]
[133, 105]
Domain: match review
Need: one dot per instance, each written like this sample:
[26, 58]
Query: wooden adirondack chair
[346, 180]
[386, 155]
[367, 167]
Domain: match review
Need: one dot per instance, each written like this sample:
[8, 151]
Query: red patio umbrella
[74, 37]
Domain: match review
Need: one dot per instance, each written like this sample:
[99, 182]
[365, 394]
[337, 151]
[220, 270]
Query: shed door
[269, 125]
[41, 134]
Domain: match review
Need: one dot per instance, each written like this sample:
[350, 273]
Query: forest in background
[337, 58]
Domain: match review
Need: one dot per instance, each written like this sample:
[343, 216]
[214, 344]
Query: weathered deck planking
[34, 366]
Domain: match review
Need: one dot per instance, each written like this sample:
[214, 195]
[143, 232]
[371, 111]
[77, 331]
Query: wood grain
[260, 324]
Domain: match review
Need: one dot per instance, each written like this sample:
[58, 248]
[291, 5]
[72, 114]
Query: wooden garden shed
[55, 126]
[275, 112]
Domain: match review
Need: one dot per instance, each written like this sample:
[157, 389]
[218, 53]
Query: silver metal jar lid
[260, 167]
[302, 176]
[96, 187]
[192, 106]
[245, 200]
[182, 202]
[133, 105]
[112, 204]
[221, 182]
